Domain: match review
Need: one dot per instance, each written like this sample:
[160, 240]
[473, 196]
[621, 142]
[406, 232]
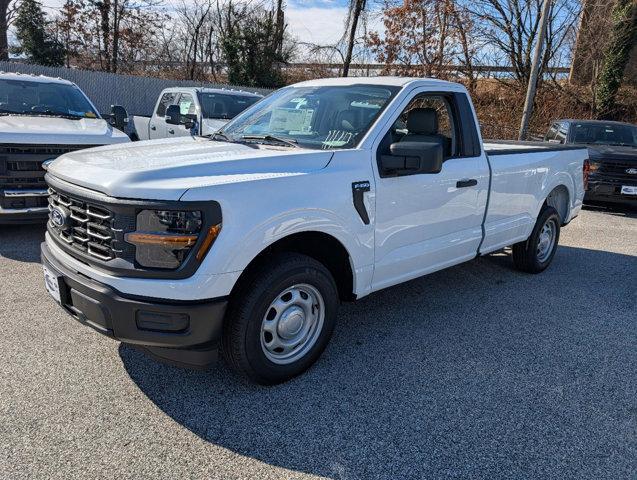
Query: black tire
[525, 254]
[242, 333]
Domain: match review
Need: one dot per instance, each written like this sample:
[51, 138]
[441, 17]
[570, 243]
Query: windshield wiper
[47, 113]
[221, 135]
[50, 113]
[271, 138]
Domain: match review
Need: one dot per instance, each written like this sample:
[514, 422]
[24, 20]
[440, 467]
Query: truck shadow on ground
[475, 371]
[21, 242]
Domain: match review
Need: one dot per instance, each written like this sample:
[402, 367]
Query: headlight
[164, 238]
[594, 166]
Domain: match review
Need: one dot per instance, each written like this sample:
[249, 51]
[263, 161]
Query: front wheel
[535, 254]
[280, 319]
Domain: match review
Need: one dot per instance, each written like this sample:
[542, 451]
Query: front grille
[21, 165]
[90, 228]
[618, 170]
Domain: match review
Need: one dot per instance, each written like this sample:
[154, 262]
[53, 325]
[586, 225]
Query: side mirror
[118, 117]
[173, 115]
[189, 120]
[408, 158]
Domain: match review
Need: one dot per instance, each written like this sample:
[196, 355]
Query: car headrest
[347, 120]
[422, 121]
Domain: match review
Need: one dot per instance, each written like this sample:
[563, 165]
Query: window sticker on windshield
[337, 138]
[291, 120]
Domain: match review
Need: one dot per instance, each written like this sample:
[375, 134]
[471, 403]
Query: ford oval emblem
[59, 217]
[631, 171]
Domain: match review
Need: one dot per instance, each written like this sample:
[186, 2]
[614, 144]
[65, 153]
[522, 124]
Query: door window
[560, 136]
[427, 118]
[186, 104]
[550, 135]
[166, 99]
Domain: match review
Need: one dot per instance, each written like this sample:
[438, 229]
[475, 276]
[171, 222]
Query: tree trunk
[4, 44]
[115, 51]
[105, 10]
[280, 27]
[356, 11]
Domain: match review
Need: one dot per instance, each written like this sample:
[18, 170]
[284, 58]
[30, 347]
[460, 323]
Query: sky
[313, 21]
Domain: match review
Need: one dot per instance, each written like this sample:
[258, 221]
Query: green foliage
[34, 40]
[251, 50]
[616, 56]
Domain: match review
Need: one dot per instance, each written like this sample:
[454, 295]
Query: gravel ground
[475, 372]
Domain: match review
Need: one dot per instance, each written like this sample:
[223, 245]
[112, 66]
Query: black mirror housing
[173, 115]
[189, 120]
[409, 158]
[118, 117]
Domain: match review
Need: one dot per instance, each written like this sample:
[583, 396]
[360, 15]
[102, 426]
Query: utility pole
[535, 68]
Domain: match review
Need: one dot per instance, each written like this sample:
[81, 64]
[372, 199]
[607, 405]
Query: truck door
[426, 222]
[187, 105]
[157, 125]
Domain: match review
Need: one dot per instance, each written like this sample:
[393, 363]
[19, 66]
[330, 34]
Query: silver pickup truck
[185, 111]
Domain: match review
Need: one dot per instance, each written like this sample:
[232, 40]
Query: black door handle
[466, 183]
[171, 131]
[153, 127]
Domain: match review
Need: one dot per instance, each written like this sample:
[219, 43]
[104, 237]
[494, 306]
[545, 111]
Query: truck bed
[506, 147]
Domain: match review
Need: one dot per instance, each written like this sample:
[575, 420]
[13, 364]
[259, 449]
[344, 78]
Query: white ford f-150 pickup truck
[41, 118]
[186, 111]
[324, 191]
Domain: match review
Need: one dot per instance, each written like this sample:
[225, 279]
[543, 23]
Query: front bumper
[600, 191]
[185, 333]
[23, 215]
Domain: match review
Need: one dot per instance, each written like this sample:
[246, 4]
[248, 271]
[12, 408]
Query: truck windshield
[224, 106]
[321, 117]
[41, 98]
[605, 134]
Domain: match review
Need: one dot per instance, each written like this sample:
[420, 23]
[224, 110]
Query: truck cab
[41, 118]
[185, 111]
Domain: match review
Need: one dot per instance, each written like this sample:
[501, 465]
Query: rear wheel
[280, 319]
[535, 254]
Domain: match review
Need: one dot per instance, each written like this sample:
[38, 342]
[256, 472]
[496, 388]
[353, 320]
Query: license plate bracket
[52, 283]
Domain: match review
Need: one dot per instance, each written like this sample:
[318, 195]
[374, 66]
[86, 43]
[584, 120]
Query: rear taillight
[586, 170]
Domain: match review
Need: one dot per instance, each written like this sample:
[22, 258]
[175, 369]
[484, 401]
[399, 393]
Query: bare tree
[510, 30]
[7, 13]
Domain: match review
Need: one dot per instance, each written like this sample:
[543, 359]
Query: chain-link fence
[137, 94]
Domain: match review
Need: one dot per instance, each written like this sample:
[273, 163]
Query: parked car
[41, 118]
[327, 190]
[186, 111]
[612, 148]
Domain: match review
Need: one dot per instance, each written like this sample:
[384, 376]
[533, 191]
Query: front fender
[258, 214]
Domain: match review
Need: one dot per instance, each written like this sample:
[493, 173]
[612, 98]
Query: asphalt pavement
[478, 371]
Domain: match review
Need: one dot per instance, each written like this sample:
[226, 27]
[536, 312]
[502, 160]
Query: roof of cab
[595, 122]
[383, 81]
[227, 91]
[26, 77]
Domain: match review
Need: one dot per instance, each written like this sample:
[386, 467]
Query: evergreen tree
[254, 47]
[35, 42]
[623, 38]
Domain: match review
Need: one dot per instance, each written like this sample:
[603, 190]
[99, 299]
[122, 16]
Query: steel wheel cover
[292, 324]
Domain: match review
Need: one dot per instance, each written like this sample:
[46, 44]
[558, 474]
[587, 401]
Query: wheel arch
[322, 247]
[559, 198]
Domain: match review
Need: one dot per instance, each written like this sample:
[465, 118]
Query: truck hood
[58, 131]
[165, 169]
[617, 153]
